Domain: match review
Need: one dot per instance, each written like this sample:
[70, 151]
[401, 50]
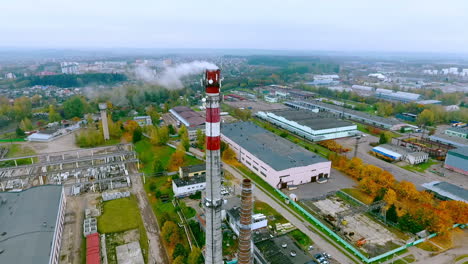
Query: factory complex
[312, 126]
[278, 161]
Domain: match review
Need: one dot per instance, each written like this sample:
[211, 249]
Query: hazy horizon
[298, 25]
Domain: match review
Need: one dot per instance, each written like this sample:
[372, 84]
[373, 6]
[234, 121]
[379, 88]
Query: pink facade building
[278, 161]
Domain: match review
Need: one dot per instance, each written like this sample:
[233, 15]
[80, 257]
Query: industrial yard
[354, 224]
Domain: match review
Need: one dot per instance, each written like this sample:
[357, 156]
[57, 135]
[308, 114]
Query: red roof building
[93, 251]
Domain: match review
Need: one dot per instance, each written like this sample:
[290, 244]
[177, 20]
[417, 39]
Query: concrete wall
[57, 241]
[293, 176]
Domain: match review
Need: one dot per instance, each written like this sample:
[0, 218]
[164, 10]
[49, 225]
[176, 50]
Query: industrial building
[396, 153]
[457, 160]
[340, 112]
[447, 191]
[187, 186]
[396, 96]
[93, 249]
[187, 116]
[192, 170]
[278, 161]
[143, 120]
[32, 224]
[461, 132]
[314, 127]
[232, 208]
[453, 141]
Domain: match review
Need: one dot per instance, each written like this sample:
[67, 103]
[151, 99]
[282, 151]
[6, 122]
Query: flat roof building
[187, 116]
[341, 112]
[31, 225]
[447, 191]
[312, 126]
[278, 161]
[461, 132]
[192, 170]
[457, 160]
[188, 186]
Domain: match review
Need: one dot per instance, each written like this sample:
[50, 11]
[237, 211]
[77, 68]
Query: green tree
[19, 132]
[76, 106]
[53, 115]
[164, 134]
[137, 134]
[195, 257]
[385, 137]
[172, 130]
[384, 109]
[425, 118]
[392, 215]
[22, 108]
[153, 113]
[184, 138]
[200, 139]
[178, 260]
[179, 251]
[26, 124]
[158, 166]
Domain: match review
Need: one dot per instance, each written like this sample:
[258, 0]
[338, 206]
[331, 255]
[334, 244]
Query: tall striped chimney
[213, 200]
[244, 255]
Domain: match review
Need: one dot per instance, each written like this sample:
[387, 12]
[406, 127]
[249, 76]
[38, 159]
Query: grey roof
[189, 181]
[463, 130]
[192, 117]
[28, 218]
[348, 112]
[277, 152]
[448, 190]
[313, 120]
[450, 140]
[194, 168]
[461, 151]
[418, 154]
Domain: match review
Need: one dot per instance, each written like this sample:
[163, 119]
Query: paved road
[299, 223]
[157, 253]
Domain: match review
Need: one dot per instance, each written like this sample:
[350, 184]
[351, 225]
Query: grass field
[148, 153]
[302, 239]
[267, 210]
[121, 215]
[420, 167]
[18, 150]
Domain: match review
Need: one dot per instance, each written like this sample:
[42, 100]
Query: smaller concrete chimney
[245, 234]
[105, 126]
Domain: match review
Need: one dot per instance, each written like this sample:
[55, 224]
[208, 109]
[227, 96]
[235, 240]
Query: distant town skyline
[362, 25]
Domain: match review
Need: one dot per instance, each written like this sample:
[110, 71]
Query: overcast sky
[341, 25]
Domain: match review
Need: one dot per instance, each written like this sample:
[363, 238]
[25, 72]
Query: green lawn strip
[420, 167]
[409, 259]
[269, 190]
[461, 257]
[427, 246]
[121, 215]
[83, 251]
[264, 208]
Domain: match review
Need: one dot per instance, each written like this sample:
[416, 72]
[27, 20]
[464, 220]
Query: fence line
[349, 246]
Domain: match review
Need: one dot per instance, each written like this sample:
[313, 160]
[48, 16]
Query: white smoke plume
[170, 77]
